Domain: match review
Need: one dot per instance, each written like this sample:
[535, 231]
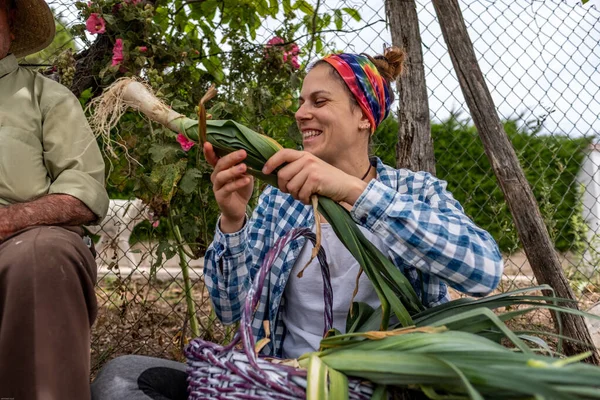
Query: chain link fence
[540, 60]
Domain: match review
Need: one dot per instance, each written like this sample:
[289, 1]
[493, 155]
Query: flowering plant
[95, 24]
[178, 50]
[279, 53]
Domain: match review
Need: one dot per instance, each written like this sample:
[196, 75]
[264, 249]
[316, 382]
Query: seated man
[51, 182]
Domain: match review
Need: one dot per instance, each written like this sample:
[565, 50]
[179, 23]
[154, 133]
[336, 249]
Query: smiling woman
[409, 216]
[343, 99]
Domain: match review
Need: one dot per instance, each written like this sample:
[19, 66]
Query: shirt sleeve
[71, 154]
[424, 225]
[232, 260]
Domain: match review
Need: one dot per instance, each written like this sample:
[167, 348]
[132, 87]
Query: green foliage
[180, 48]
[384, 140]
[550, 164]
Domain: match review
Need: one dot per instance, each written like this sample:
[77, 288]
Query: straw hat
[33, 27]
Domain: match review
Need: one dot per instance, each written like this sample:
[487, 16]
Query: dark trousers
[47, 306]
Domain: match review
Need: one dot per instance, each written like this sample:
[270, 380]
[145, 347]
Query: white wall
[589, 178]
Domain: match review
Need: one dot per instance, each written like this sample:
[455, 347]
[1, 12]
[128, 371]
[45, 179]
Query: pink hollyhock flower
[117, 52]
[295, 63]
[275, 41]
[95, 24]
[186, 144]
[153, 218]
[142, 49]
[294, 49]
[285, 55]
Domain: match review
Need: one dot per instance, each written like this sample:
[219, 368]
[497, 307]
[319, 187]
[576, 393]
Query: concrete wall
[589, 178]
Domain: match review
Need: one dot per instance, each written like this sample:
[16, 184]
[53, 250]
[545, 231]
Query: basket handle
[254, 293]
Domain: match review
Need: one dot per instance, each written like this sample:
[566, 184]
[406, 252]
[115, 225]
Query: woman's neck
[356, 167]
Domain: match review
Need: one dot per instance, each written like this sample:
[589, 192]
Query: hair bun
[391, 63]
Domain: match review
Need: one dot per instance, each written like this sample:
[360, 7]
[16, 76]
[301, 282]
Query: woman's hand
[306, 174]
[232, 186]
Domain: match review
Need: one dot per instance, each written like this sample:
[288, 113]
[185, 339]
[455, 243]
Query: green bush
[550, 163]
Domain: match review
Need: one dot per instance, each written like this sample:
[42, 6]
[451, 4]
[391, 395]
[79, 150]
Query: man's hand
[53, 209]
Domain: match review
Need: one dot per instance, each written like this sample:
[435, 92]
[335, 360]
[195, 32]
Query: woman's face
[328, 123]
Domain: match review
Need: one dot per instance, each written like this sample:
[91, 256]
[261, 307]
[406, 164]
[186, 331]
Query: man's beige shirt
[46, 145]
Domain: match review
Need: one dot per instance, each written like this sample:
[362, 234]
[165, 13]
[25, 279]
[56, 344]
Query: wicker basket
[224, 372]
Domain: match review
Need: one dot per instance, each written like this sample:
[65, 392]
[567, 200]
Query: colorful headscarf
[366, 84]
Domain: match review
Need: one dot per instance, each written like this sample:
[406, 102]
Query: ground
[137, 316]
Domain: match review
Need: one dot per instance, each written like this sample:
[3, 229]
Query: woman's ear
[364, 125]
[364, 122]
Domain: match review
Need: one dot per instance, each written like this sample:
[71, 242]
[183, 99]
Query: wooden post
[415, 146]
[518, 194]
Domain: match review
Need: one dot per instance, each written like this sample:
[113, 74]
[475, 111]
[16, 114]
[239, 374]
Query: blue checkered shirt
[424, 227]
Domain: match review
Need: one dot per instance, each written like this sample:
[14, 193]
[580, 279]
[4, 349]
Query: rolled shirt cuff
[235, 242]
[84, 187]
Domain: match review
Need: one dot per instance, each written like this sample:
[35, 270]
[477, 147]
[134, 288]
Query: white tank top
[304, 305]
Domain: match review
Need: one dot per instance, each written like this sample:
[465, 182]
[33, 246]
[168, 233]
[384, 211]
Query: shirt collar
[7, 65]
[379, 166]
